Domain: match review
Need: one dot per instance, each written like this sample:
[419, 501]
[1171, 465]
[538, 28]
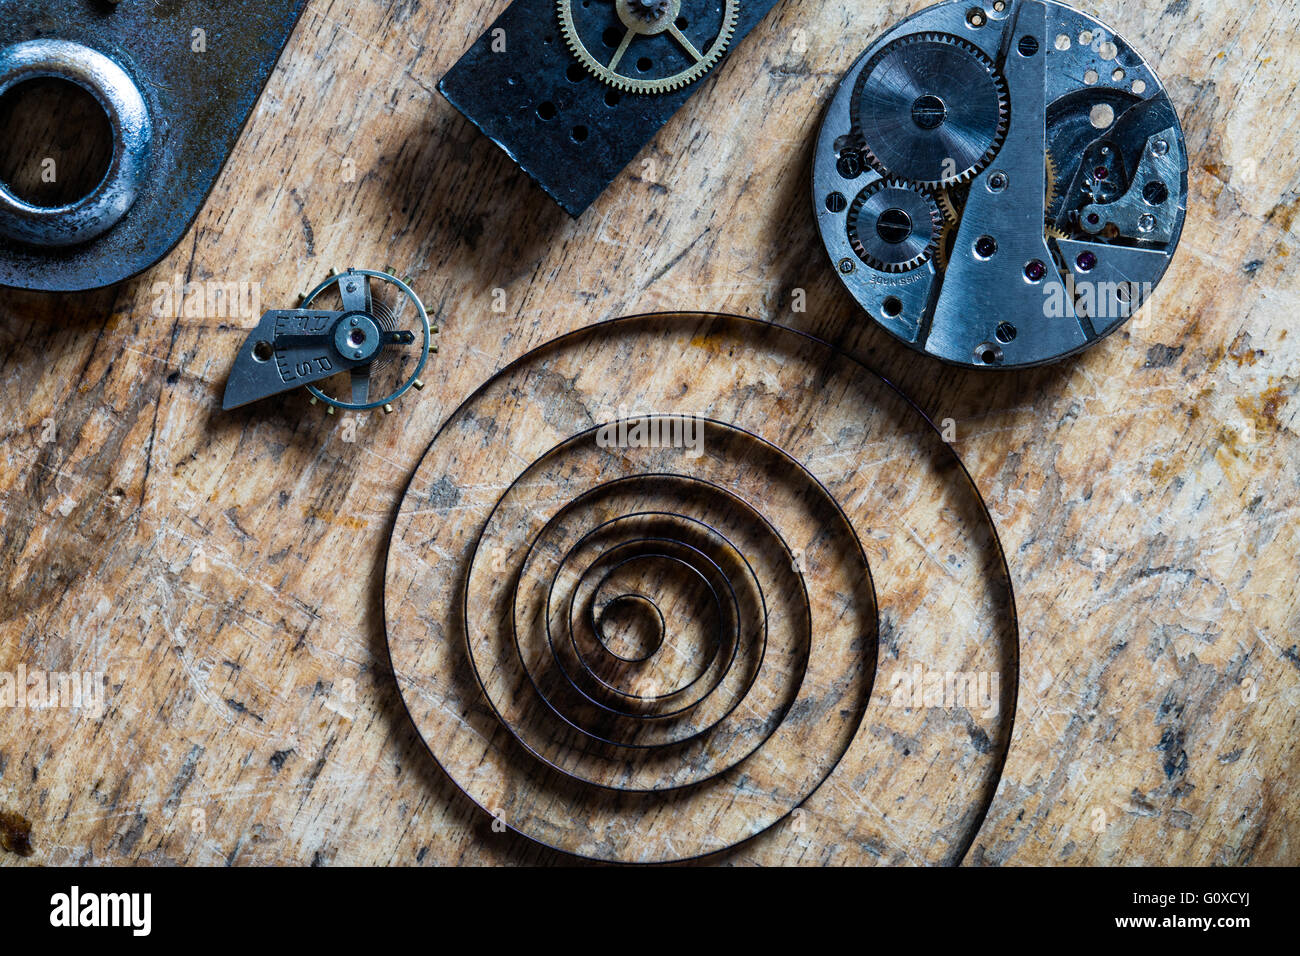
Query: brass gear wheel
[1051, 174]
[648, 18]
[947, 207]
[1050, 229]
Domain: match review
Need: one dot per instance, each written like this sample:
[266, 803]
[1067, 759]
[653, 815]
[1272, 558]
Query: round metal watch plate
[1053, 155]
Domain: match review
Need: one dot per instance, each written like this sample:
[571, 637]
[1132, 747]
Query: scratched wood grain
[223, 571]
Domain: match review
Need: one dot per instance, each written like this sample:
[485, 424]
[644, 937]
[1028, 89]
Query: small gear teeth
[995, 134]
[919, 200]
[946, 206]
[943, 248]
[665, 84]
[1050, 173]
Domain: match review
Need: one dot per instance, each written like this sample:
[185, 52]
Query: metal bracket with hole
[177, 82]
[547, 85]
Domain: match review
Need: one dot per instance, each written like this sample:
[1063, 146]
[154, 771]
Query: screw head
[846, 266]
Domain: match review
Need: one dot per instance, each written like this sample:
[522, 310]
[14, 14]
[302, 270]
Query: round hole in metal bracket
[263, 351]
[57, 142]
[988, 354]
[976, 17]
[985, 247]
[575, 73]
[645, 64]
[1101, 115]
[578, 134]
[1155, 193]
[612, 97]
[131, 131]
[892, 307]
[612, 37]
[547, 111]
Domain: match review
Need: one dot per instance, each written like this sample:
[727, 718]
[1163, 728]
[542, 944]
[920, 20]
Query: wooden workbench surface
[225, 570]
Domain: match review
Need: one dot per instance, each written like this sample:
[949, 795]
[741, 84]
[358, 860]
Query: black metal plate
[198, 102]
[500, 92]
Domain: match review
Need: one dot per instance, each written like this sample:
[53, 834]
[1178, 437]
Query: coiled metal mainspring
[662, 622]
[652, 636]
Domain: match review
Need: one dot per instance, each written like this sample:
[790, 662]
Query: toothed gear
[930, 108]
[893, 226]
[947, 207]
[639, 19]
[1050, 173]
[648, 9]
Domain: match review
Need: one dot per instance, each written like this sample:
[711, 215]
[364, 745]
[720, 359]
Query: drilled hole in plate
[56, 142]
[547, 110]
[1062, 41]
[976, 17]
[612, 97]
[988, 354]
[1139, 86]
[612, 37]
[578, 134]
[1090, 77]
[1107, 50]
[645, 64]
[892, 307]
[263, 351]
[1155, 193]
[575, 73]
[1117, 74]
[1101, 115]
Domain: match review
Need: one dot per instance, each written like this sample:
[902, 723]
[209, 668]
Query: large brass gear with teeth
[930, 108]
[649, 18]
